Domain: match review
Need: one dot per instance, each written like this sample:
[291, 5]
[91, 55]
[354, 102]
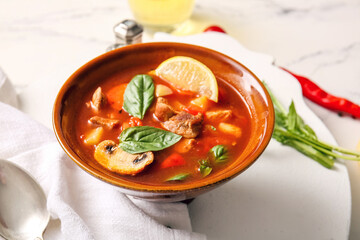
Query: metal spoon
[23, 212]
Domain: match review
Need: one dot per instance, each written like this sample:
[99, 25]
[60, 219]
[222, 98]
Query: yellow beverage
[358, 149]
[161, 13]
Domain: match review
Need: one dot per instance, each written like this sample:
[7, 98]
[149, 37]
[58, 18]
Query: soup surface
[211, 134]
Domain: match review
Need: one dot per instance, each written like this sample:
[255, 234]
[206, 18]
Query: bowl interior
[135, 59]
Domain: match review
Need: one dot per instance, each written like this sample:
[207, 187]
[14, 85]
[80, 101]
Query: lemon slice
[188, 74]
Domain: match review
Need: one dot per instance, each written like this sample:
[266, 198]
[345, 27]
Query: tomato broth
[199, 161]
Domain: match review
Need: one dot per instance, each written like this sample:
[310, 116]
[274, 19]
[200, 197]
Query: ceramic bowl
[149, 56]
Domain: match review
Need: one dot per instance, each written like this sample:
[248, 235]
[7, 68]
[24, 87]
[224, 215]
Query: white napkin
[81, 206]
[7, 92]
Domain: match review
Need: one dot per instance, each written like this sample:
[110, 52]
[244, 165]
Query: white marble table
[43, 42]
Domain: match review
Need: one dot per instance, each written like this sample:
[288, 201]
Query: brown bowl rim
[199, 185]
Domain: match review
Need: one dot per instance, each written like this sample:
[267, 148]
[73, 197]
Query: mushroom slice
[109, 155]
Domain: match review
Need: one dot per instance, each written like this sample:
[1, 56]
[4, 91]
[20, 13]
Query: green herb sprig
[291, 130]
[205, 167]
[178, 177]
[219, 153]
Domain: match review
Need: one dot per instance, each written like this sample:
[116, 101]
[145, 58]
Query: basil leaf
[220, 153]
[139, 95]
[179, 177]
[205, 168]
[145, 138]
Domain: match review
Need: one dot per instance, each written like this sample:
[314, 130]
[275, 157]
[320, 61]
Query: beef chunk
[99, 99]
[218, 115]
[105, 122]
[181, 123]
[163, 111]
[184, 124]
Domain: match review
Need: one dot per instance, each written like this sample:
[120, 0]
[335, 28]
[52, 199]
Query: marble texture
[43, 42]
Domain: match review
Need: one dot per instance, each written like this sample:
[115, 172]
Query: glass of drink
[161, 15]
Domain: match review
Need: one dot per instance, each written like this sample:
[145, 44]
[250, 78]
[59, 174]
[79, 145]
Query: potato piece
[109, 155]
[201, 102]
[93, 137]
[230, 129]
[162, 90]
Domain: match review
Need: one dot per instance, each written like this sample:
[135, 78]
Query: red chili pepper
[214, 28]
[314, 93]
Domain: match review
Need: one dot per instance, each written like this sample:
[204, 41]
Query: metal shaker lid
[128, 32]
